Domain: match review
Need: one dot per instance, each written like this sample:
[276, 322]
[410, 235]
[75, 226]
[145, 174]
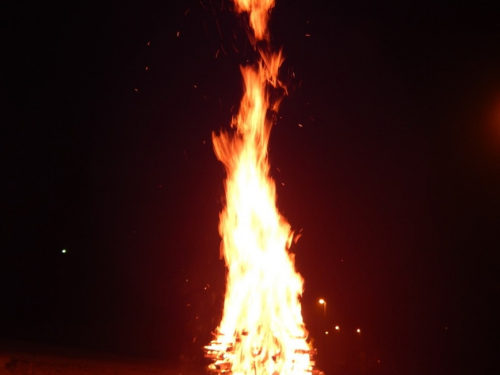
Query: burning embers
[223, 357]
[262, 331]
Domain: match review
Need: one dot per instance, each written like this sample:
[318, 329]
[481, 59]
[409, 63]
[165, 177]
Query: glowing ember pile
[262, 331]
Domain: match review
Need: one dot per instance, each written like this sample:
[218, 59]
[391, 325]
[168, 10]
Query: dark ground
[22, 358]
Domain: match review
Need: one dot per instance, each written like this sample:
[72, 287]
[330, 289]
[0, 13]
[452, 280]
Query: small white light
[63, 251]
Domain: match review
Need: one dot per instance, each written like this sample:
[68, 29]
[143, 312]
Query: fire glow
[262, 331]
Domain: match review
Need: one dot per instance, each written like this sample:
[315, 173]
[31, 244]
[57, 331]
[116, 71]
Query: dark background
[386, 155]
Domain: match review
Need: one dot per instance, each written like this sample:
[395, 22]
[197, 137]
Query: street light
[323, 302]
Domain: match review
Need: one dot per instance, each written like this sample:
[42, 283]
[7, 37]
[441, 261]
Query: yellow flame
[262, 330]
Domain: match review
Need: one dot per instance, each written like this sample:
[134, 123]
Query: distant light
[63, 251]
[337, 328]
[322, 301]
[326, 332]
[358, 330]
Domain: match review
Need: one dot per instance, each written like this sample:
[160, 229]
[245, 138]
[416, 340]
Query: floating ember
[262, 331]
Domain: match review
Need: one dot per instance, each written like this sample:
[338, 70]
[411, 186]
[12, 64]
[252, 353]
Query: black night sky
[386, 155]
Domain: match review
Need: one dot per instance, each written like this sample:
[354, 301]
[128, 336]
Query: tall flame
[262, 330]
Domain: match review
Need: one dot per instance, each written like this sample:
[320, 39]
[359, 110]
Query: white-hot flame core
[262, 330]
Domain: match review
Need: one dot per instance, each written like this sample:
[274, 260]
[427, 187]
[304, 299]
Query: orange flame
[259, 11]
[262, 330]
